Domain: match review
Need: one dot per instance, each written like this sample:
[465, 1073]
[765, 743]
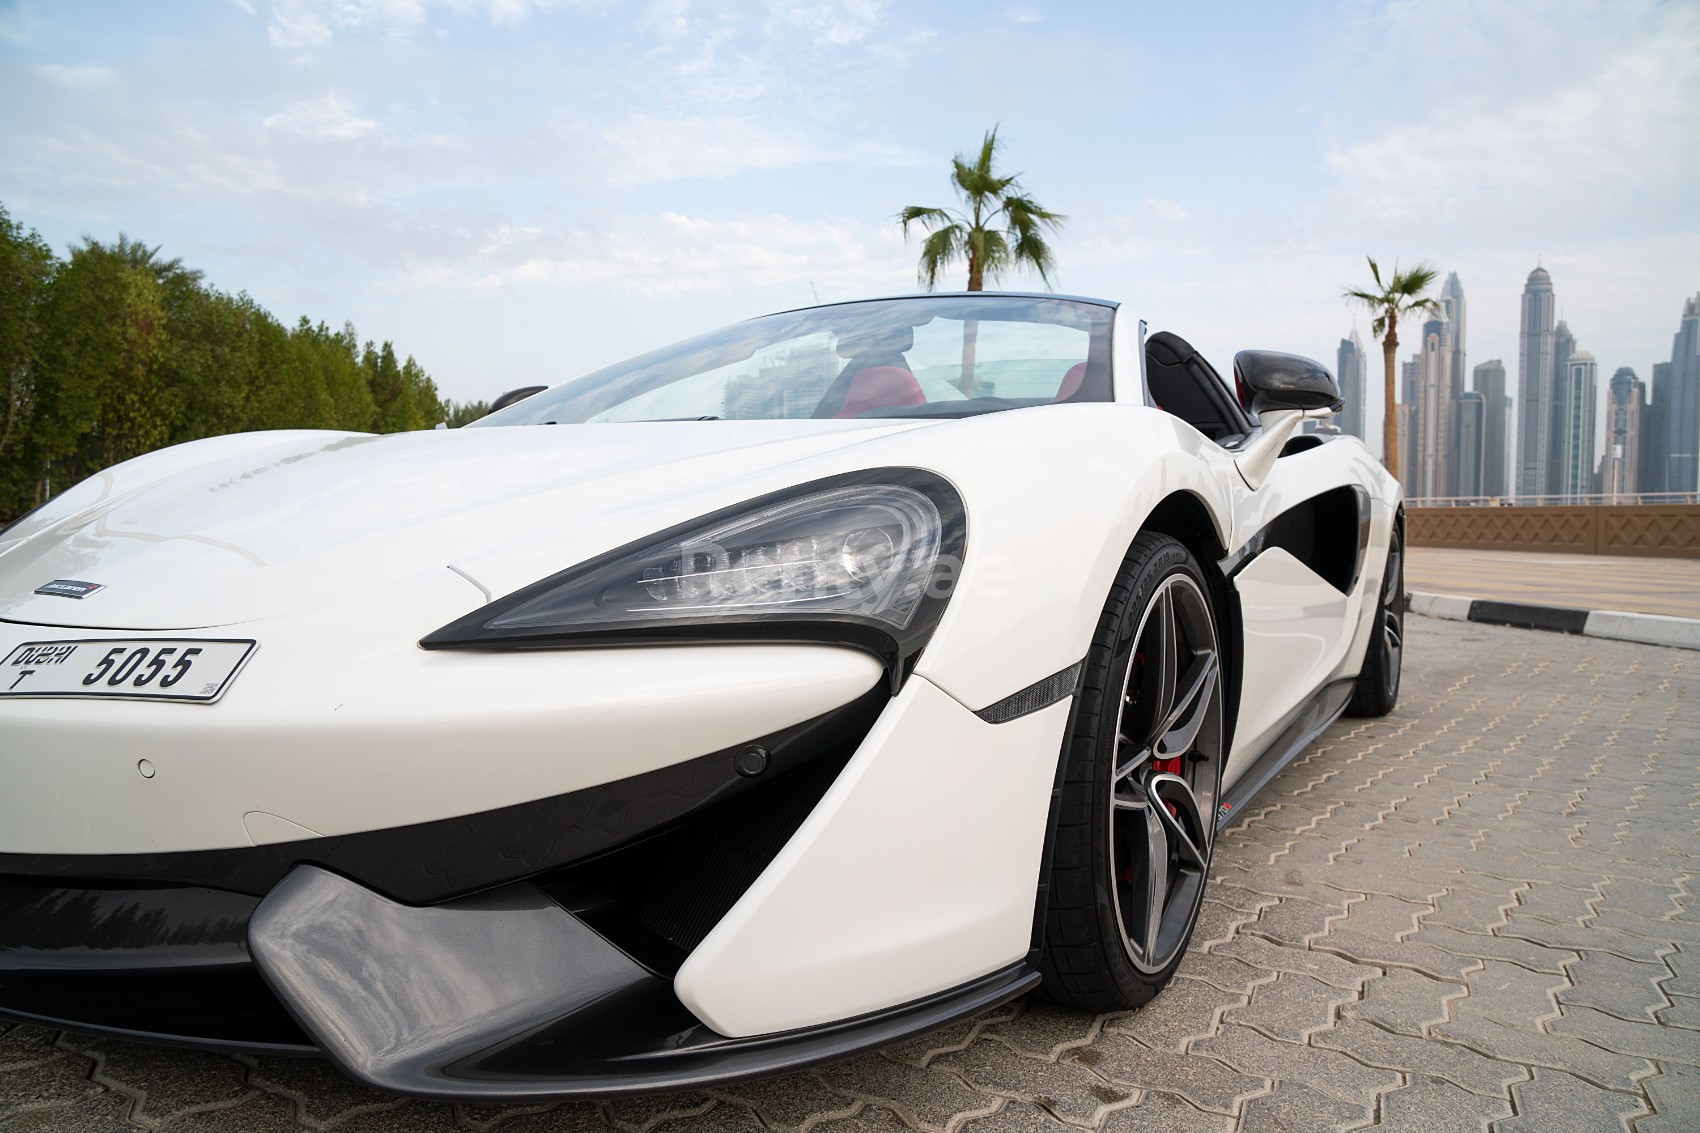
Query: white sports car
[768, 697]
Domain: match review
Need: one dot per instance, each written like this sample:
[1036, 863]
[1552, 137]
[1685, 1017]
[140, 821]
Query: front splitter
[506, 996]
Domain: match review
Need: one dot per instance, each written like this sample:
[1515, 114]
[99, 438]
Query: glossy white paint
[338, 551]
[328, 730]
[1294, 626]
[914, 874]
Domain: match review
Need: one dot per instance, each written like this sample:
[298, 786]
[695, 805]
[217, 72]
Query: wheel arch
[1184, 517]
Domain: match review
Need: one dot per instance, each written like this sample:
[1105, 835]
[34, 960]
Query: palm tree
[998, 228]
[137, 254]
[1401, 294]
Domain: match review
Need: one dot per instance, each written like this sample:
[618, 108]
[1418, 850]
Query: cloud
[676, 253]
[80, 77]
[832, 23]
[328, 117]
[302, 24]
[1604, 139]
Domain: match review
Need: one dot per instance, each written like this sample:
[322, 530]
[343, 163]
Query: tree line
[112, 352]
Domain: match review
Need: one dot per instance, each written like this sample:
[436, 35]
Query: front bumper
[855, 898]
[503, 996]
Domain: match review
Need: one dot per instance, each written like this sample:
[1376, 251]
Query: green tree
[464, 413]
[26, 273]
[118, 350]
[1400, 294]
[998, 228]
[101, 392]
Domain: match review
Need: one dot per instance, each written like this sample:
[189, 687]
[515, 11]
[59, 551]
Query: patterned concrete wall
[1660, 530]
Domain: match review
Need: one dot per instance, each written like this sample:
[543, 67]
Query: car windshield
[949, 356]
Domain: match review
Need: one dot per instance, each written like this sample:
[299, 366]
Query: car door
[1299, 540]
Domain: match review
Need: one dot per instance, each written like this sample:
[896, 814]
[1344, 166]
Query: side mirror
[514, 395]
[1268, 379]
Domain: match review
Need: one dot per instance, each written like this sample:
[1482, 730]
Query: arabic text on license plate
[144, 668]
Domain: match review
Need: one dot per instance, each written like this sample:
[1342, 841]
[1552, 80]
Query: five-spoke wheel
[1140, 786]
[1166, 772]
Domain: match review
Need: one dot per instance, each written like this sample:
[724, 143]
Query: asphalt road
[1478, 912]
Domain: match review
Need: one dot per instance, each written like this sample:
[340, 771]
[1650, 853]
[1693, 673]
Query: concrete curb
[1616, 625]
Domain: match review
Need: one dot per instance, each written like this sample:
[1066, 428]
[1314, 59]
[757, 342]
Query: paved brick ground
[1476, 913]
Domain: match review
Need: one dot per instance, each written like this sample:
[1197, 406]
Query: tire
[1141, 777]
[1377, 690]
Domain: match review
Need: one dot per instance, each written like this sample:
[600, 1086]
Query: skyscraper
[1469, 411]
[1573, 456]
[1488, 380]
[1534, 385]
[1428, 478]
[1682, 411]
[1563, 346]
[1620, 469]
[1452, 303]
[1655, 433]
[1350, 366]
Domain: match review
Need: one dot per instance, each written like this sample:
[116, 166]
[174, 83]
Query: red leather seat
[880, 387]
[1071, 382]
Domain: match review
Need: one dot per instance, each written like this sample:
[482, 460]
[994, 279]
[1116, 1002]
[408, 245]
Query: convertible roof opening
[928, 356]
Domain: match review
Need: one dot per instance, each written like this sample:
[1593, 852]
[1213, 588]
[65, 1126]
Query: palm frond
[1026, 214]
[938, 252]
[928, 218]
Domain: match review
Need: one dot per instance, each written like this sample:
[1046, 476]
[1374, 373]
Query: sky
[519, 191]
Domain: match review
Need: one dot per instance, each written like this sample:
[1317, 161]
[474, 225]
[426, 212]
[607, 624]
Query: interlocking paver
[1325, 966]
[1483, 902]
[1555, 1100]
[1206, 1082]
[1186, 1010]
[1625, 988]
[1512, 995]
[1162, 1113]
[1405, 1002]
[1431, 1105]
[1675, 1097]
[1328, 1071]
[1456, 1064]
[1291, 1007]
[1684, 1011]
[1648, 1040]
[1485, 945]
[1292, 1106]
[1554, 1052]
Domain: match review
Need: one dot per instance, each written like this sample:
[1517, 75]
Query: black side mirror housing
[514, 395]
[1269, 379]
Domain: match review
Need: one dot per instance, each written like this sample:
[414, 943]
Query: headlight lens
[865, 559]
[867, 550]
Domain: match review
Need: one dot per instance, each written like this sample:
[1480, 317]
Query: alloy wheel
[1166, 773]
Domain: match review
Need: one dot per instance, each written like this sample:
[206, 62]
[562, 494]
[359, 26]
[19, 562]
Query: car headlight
[865, 559]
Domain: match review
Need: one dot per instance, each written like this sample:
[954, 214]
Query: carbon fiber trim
[1043, 694]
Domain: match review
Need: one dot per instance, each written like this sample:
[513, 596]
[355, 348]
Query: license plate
[136, 668]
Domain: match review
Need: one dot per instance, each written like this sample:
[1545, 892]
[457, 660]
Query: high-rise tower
[1351, 367]
[1452, 302]
[1429, 477]
[1682, 403]
[1655, 433]
[1534, 385]
[1488, 380]
[1468, 413]
[1619, 471]
[1573, 416]
[1563, 346]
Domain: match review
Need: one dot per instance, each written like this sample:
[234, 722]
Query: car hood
[237, 529]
